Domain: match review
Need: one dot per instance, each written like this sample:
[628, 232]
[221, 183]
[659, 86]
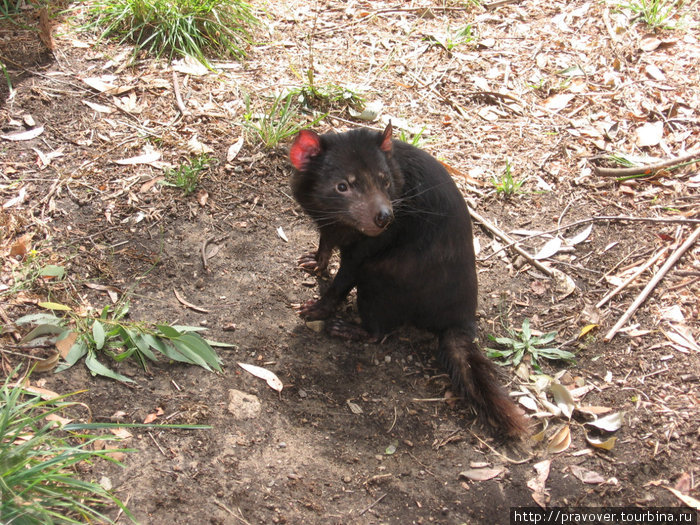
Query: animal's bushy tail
[474, 376]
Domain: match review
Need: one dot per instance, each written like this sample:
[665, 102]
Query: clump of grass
[8, 7]
[313, 96]
[110, 335]
[279, 122]
[517, 345]
[654, 13]
[451, 40]
[197, 28]
[187, 176]
[507, 185]
[414, 139]
[38, 480]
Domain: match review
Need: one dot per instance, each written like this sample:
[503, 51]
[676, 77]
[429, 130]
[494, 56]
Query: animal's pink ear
[306, 145]
[385, 142]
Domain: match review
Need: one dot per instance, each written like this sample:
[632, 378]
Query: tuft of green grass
[187, 176]
[38, 458]
[110, 335]
[197, 28]
[452, 40]
[507, 185]
[654, 13]
[415, 139]
[8, 7]
[313, 96]
[518, 345]
[281, 121]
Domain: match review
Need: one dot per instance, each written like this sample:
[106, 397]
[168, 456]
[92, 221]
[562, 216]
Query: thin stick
[600, 218]
[640, 170]
[499, 3]
[375, 502]
[188, 304]
[632, 277]
[10, 326]
[501, 235]
[654, 281]
[178, 98]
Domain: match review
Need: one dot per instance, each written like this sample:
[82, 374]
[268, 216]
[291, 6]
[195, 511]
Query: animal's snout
[383, 217]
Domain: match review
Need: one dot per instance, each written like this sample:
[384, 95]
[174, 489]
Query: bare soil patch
[305, 455]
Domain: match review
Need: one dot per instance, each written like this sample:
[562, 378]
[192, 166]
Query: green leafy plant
[313, 96]
[452, 40]
[518, 345]
[281, 121]
[38, 480]
[187, 176]
[654, 13]
[109, 335]
[507, 185]
[195, 28]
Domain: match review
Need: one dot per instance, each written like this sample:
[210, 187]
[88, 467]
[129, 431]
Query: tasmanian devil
[405, 243]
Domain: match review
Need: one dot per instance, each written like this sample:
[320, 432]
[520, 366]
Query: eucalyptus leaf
[609, 423]
[98, 333]
[98, 368]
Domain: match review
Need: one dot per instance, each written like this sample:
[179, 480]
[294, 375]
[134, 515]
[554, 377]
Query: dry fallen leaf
[234, 149]
[481, 474]
[609, 423]
[146, 158]
[580, 236]
[563, 399]
[687, 500]
[121, 432]
[55, 417]
[24, 135]
[558, 101]
[650, 134]
[100, 108]
[196, 147]
[550, 248]
[104, 85]
[585, 475]
[47, 364]
[272, 380]
[46, 395]
[565, 285]
[537, 484]
[64, 345]
[560, 441]
[202, 197]
[354, 407]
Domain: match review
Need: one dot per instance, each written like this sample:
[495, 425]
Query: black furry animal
[405, 242]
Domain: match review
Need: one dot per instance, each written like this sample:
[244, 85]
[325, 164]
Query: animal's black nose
[384, 217]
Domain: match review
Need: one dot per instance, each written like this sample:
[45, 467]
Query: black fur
[417, 269]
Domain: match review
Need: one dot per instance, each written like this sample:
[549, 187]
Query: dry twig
[654, 281]
[190, 305]
[504, 237]
[632, 277]
[178, 98]
[648, 170]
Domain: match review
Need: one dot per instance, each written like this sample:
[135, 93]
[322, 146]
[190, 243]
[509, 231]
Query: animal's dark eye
[342, 187]
[387, 182]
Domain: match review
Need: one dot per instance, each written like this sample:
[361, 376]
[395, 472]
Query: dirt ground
[361, 432]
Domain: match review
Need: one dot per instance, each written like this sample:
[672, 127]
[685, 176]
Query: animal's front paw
[315, 310]
[309, 263]
[349, 331]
